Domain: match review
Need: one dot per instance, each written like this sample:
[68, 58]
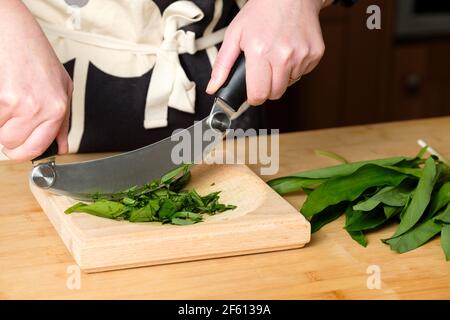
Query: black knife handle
[51, 151]
[234, 90]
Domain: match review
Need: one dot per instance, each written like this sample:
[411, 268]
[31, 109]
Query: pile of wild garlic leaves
[412, 191]
[161, 200]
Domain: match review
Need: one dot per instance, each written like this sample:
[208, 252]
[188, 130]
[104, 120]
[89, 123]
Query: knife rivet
[43, 175]
[220, 121]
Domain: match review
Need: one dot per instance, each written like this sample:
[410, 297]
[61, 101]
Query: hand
[35, 89]
[282, 41]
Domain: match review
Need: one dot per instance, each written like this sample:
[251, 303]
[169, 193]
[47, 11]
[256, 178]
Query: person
[101, 75]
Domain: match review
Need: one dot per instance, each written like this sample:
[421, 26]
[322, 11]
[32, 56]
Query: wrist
[17, 22]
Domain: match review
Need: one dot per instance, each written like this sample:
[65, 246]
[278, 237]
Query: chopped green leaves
[160, 200]
[413, 191]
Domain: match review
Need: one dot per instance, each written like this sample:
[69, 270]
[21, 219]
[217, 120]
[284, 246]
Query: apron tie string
[169, 84]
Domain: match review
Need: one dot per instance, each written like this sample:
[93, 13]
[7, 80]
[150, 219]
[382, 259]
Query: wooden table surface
[34, 262]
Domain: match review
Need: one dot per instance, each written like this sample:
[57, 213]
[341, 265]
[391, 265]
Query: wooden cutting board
[263, 221]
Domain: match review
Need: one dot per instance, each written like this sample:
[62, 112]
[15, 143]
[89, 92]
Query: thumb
[228, 53]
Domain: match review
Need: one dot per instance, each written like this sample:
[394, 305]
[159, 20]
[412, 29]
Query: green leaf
[181, 182]
[391, 211]
[75, 207]
[445, 241]
[128, 201]
[210, 197]
[146, 213]
[415, 237]
[186, 215]
[441, 198]
[168, 208]
[182, 222]
[332, 155]
[419, 200]
[171, 175]
[292, 184]
[195, 197]
[327, 216]
[367, 205]
[361, 220]
[101, 208]
[422, 152]
[414, 172]
[346, 169]
[391, 196]
[349, 188]
[359, 237]
[444, 216]
[420, 234]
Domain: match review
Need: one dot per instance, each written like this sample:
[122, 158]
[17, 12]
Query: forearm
[17, 22]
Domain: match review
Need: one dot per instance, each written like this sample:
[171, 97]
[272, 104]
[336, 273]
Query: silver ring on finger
[292, 81]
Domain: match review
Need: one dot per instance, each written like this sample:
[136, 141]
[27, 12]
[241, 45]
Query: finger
[258, 78]
[298, 71]
[228, 53]
[8, 102]
[311, 66]
[280, 81]
[5, 115]
[38, 141]
[16, 131]
[316, 53]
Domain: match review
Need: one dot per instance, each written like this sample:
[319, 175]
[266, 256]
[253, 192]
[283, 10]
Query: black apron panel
[198, 69]
[114, 110]
[163, 4]
[70, 67]
[230, 10]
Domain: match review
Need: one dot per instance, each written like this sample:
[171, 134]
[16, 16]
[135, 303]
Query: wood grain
[263, 221]
[34, 261]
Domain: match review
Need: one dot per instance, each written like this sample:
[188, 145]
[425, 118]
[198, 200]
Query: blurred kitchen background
[399, 72]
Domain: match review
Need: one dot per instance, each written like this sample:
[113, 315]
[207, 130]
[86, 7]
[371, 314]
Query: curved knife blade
[117, 173]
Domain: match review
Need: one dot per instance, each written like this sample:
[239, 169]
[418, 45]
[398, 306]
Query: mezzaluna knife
[117, 173]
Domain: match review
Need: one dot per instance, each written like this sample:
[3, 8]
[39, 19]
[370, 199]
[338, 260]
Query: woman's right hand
[35, 89]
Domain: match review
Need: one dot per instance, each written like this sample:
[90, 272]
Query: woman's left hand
[281, 40]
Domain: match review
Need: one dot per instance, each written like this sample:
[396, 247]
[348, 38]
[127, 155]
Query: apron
[139, 67]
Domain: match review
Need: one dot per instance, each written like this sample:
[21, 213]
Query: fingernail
[210, 86]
